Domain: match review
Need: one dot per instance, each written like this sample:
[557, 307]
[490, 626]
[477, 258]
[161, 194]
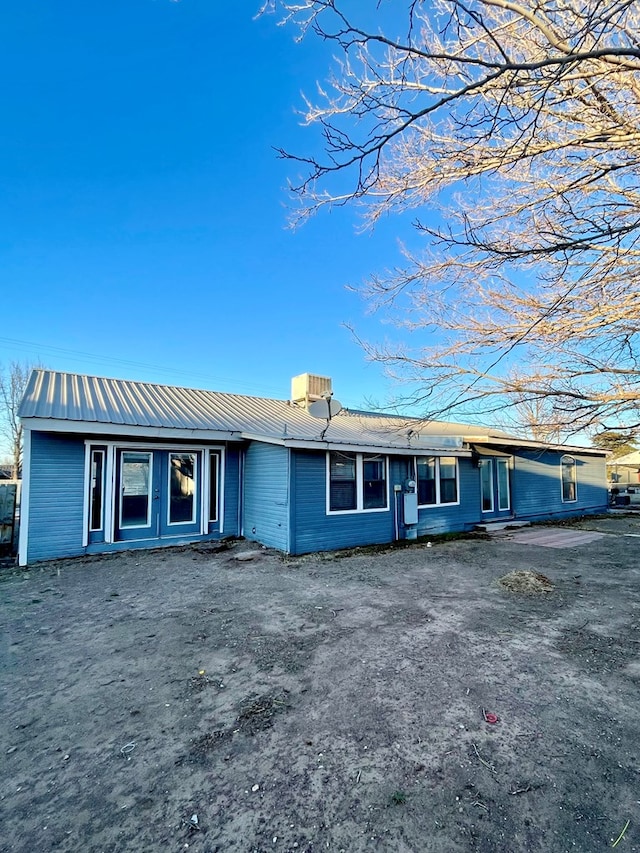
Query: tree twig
[481, 760]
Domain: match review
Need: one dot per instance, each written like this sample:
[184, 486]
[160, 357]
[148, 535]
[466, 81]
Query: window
[437, 478]
[569, 488]
[356, 482]
[426, 466]
[374, 490]
[486, 484]
[182, 477]
[135, 487]
[342, 482]
[504, 501]
[214, 462]
[448, 480]
[97, 490]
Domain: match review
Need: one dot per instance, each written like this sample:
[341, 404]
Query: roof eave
[130, 430]
[537, 445]
[354, 446]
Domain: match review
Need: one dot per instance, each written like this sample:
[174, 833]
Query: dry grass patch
[526, 582]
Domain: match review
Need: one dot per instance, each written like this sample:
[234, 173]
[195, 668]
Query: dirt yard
[185, 699]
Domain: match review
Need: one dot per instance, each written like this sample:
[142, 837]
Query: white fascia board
[106, 429]
[353, 447]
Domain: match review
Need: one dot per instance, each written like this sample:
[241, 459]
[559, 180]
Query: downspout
[290, 504]
[396, 526]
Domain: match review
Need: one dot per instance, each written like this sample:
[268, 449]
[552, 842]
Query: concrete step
[497, 526]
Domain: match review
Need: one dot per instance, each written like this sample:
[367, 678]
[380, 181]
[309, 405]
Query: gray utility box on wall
[410, 508]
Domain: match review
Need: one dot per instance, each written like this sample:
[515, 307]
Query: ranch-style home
[111, 464]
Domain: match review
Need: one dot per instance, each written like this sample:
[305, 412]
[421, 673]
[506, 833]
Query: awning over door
[489, 451]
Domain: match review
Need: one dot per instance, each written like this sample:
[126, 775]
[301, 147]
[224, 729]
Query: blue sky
[143, 227]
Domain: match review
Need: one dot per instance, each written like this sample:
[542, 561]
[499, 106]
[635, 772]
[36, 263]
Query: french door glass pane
[503, 483]
[486, 478]
[97, 488]
[213, 487]
[182, 471]
[135, 483]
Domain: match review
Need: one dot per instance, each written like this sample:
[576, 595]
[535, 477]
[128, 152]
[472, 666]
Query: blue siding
[56, 496]
[283, 494]
[266, 495]
[314, 529]
[537, 489]
[455, 517]
[56, 501]
[535, 494]
[232, 493]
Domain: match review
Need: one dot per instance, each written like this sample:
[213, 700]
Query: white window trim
[575, 478]
[438, 503]
[359, 485]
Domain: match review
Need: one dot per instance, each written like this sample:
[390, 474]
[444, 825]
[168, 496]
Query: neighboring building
[112, 464]
[625, 470]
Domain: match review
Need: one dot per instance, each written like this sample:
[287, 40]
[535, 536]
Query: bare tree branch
[13, 382]
[513, 129]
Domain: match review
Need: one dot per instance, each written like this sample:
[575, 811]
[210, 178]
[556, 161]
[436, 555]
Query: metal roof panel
[98, 400]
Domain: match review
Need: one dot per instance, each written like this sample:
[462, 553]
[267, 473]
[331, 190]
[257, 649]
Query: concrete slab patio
[555, 537]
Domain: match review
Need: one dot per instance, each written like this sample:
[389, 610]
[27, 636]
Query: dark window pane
[213, 487]
[343, 496]
[97, 487]
[448, 492]
[373, 469]
[448, 468]
[181, 487]
[503, 484]
[342, 481]
[375, 494]
[569, 492]
[426, 492]
[448, 485]
[343, 466]
[486, 478]
[426, 468]
[135, 484]
[374, 487]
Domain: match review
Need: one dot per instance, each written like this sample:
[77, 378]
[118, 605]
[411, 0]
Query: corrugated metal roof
[96, 400]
